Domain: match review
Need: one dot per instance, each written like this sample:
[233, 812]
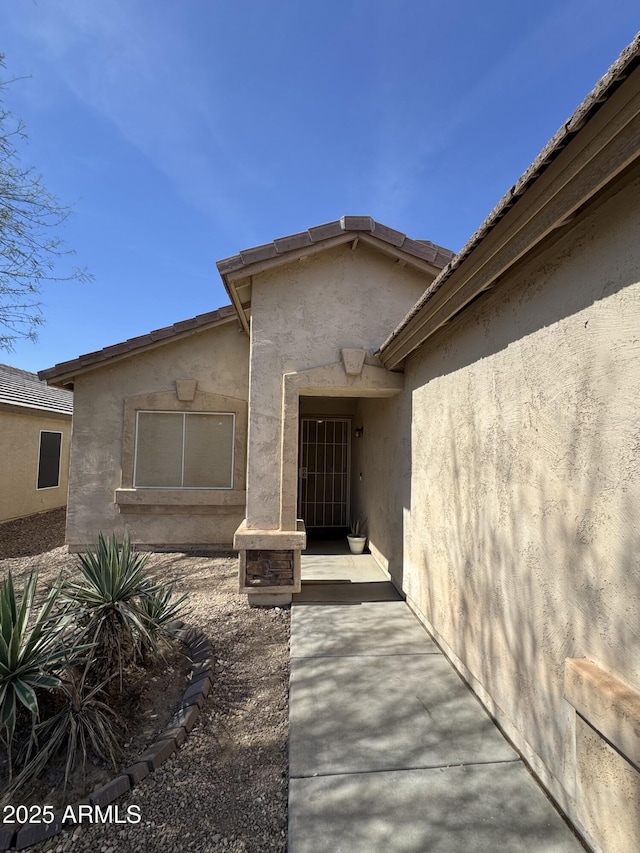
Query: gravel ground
[226, 788]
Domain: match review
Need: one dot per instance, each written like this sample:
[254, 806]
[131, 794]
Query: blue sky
[182, 132]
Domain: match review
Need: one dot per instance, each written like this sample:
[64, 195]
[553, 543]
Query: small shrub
[159, 609]
[83, 639]
[107, 605]
[84, 723]
[121, 611]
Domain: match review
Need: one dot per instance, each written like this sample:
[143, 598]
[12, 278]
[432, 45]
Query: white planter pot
[356, 543]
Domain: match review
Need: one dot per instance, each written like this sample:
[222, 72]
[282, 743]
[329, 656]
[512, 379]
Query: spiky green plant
[31, 655]
[109, 600]
[112, 614]
[358, 526]
[107, 603]
[159, 608]
[84, 724]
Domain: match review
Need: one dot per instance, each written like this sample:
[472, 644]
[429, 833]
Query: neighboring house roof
[23, 389]
[625, 65]
[63, 373]
[237, 270]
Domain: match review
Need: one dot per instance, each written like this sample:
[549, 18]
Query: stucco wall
[382, 476]
[20, 443]
[105, 402]
[522, 539]
[302, 315]
[336, 406]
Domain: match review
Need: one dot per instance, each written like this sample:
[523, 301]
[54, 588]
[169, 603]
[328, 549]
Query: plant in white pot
[357, 538]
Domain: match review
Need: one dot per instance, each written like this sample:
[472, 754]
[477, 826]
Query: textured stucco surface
[382, 476]
[337, 406]
[608, 788]
[521, 527]
[218, 360]
[20, 442]
[302, 315]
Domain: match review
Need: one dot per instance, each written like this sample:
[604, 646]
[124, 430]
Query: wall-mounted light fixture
[359, 432]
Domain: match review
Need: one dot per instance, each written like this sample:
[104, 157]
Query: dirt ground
[226, 788]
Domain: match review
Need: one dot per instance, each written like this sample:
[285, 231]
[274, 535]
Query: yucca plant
[109, 602]
[159, 608]
[84, 724]
[31, 655]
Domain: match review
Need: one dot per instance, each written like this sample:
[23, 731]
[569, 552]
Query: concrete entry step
[344, 578]
[346, 592]
[357, 568]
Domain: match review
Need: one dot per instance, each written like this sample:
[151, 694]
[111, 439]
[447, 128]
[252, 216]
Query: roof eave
[42, 411]
[63, 375]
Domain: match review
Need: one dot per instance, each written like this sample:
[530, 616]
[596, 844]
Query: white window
[49, 459]
[184, 450]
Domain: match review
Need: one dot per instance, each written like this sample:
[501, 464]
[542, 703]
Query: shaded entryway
[324, 473]
[343, 577]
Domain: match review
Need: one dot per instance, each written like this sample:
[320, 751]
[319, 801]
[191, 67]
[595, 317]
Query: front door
[324, 472]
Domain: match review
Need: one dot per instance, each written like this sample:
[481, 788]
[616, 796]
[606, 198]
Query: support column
[270, 556]
[269, 559]
[270, 564]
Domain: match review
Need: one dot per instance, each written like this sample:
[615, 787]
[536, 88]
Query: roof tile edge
[102, 356]
[281, 246]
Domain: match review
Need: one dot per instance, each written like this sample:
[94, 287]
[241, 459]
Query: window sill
[179, 500]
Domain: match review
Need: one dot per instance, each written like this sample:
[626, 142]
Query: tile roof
[628, 60]
[422, 249]
[94, 359]
[21, 388]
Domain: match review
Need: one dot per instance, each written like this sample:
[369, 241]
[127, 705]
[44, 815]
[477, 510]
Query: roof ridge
[281, 246]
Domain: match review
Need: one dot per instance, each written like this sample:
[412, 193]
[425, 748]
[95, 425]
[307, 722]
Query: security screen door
[324, 471]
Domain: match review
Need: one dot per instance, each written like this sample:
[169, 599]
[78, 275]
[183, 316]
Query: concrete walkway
[388, 749]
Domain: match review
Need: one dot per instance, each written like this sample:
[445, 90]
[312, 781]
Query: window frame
[184, 413]
[40, 488]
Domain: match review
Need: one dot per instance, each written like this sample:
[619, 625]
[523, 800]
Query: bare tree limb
[30, 250]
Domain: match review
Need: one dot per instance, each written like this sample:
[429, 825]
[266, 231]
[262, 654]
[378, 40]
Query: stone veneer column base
[269, 564]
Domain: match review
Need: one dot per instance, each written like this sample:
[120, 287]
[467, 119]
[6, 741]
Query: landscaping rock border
[169, 741]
